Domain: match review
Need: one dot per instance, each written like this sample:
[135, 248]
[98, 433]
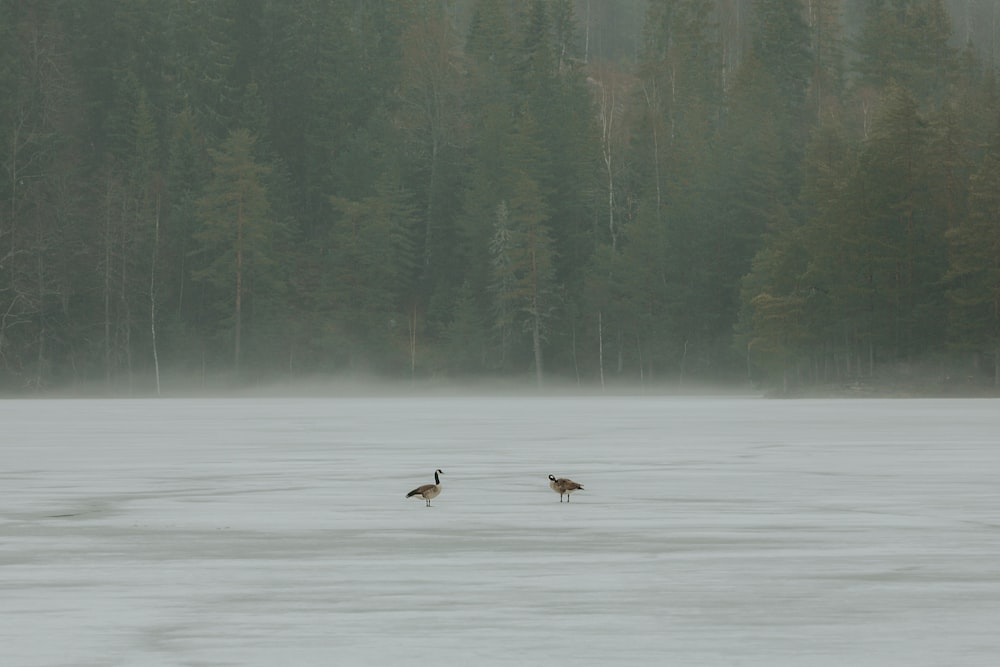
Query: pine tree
[465, 344]
[678, 113]
[524, 281]
[369, 269]
[430, 112]
[188, 170]
[906, 43]
[504, 281]
[489, 53]
[236, 229]
[898, 235]
[557, 147]
[42, 218]
[781, 43]
[827, 78]
[974, 267]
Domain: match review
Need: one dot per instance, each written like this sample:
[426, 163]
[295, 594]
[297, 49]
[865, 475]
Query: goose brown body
[564, 486]
[428, 491]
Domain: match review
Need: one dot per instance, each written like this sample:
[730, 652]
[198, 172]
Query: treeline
[265, 189]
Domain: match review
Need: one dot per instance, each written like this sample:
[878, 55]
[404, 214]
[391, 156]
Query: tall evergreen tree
[827, 78]
[906, 42]
[236, 231]
[781, 43]
[188, 171]
[524, 279]
[44, 198]
[897, 237]
[558, 146]
[370, 265]
[974, 267]
[430, 112]
[791, 317]
[490, 55]
[751, 195]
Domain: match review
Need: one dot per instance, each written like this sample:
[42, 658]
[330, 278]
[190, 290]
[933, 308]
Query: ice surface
[712, 531]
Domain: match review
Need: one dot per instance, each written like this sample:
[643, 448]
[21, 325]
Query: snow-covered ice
[712, 531]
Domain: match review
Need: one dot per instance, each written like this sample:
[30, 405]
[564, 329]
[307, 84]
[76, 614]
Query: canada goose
[564, 486]
[428, 491]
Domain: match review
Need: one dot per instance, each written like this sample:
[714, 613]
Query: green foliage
[781, 44]
[236, 234]
[900, 233]
[524, 287]
[433, 136]
[465, 340]
[319, 186]
[370, 268]
[974, 265]
[906, 42]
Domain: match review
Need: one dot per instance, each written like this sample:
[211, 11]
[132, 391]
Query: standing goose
[564, 486]
[428, 491]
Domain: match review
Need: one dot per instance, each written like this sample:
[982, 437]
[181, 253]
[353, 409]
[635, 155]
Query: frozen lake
[712, 531]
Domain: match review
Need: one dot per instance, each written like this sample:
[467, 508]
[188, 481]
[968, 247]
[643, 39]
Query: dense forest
[794, 193]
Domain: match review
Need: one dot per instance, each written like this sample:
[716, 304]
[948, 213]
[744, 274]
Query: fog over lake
[711, 531]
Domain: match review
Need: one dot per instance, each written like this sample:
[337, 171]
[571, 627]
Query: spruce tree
[236, 231]
[906, 43]
[974, 267]
[370, 266]
[525, 291]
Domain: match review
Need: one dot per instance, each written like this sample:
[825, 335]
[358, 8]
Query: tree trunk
[684, 356]
[107, 286]
[413, 342]
[125, 326]
[238, 314]
[40, 361]
[642, 370]
[536, 335]
[576, 364]
[652, 102]
[607, 117]
[600, 345]
[152, 294]
[621, 355]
